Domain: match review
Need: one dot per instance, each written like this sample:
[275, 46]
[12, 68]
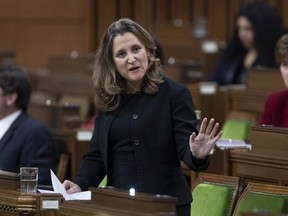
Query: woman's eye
[136, 49]
[121, 54]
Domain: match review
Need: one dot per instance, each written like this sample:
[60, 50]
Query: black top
[160, 126]
[120, 142]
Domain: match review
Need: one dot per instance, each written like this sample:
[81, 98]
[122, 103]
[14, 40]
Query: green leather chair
[263, 198]
[236, 129]
[103, 182]
[238, 125]
[214, 195]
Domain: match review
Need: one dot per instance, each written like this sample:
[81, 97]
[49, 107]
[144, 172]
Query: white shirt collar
[6, 122]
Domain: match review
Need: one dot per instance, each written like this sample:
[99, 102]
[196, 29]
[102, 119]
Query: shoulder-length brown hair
[282, 48]
[107, 82]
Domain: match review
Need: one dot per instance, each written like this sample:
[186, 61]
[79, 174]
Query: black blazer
[162, 124]
[27, 143]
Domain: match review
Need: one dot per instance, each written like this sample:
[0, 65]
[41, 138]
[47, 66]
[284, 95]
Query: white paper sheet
[59, 188]
[232, 144]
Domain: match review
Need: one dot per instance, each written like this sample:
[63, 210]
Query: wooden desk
[260, 83]
[261, 214]
[105, 201]
[9, 180]
[267, 161]
[64, 83]
[56, 116]
[12, 202]
[58, 63]
[251, 101]
[267, 79]
[119, 202]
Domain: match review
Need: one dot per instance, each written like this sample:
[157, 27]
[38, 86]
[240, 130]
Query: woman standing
[146, 123]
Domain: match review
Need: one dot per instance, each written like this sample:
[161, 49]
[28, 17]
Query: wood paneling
[198, 9]
[267, 161]
[217, 13]
[37, 29]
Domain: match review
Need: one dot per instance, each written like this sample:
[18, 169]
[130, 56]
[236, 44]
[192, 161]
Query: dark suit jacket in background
[163, 127]
[27, 143]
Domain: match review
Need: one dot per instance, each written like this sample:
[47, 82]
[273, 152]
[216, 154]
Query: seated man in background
[276, 106]
[23, 140]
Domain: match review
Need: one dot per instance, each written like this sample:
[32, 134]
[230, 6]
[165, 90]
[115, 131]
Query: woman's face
[284, 70]
[245, 32]
[131, 59]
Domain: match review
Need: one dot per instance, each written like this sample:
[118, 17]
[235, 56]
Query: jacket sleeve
[184, 123]
[92, 169]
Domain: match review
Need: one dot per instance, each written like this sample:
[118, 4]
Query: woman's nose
[131, 58]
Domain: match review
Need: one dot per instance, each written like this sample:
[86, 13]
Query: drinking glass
[29, 179]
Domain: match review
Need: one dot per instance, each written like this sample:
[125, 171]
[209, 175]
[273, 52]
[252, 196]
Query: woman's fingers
[203, 126]
[210, 126]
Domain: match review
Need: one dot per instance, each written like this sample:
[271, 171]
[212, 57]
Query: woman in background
[275, 112]
[258, 27]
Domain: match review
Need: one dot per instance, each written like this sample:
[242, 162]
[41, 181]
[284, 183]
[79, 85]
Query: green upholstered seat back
[261, 202]
[103, 182]
[211, 199]
[236, 129]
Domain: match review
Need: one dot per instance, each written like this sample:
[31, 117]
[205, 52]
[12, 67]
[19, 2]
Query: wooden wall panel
[125, 9]
[217, 13]
[38, 41]
[43, 8]
[145, 13]
[198, 9]
[230, 19]
[89, 29]
[181, 10]
[36, 29]
[105, 15]
[162, 16]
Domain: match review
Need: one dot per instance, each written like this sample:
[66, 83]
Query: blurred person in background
[275, 111]
[258, 27]
[24, 142]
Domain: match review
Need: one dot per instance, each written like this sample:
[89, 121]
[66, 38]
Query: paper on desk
[59, 188]
[232, 144]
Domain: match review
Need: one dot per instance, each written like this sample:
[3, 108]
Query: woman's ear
[11, 99]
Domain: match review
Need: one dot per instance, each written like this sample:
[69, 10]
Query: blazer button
[137, 142]
[135, 116]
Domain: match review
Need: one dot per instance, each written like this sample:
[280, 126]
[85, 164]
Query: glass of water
[29, 179]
